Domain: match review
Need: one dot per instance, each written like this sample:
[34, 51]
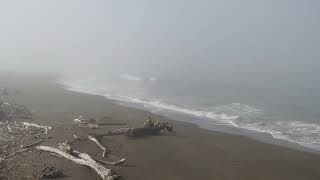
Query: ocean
[281, 112]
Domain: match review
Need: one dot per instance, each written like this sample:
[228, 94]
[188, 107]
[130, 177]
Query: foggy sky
[228, 39]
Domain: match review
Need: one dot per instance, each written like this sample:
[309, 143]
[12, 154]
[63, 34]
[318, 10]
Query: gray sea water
[284, 113]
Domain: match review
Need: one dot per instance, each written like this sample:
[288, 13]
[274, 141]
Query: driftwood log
[149, 128]
[28, 125]
[80, 158]
[92, 123]
[136, 132]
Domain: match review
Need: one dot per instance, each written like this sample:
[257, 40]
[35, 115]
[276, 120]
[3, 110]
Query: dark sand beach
[187, 154]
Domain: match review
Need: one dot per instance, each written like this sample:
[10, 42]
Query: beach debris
[32, 125]
[86, 122]
[149, 128]
[32, 145]
[119, 131]
[76, 137]
[15, 153]
[92, 138]
[10, 111]
[24, 127]
[50, 172]
[114, 163]
[90, 126]
[152, 130]
[20, 151]
[92, 123]
[66, 151]
[109, 124]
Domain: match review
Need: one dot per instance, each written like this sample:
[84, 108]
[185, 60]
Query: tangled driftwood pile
[16, 130]
[19, 129]
[149, 128]
[10, 111]
[65, 150]
[12, 144]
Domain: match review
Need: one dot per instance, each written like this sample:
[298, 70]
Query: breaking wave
[164, 106]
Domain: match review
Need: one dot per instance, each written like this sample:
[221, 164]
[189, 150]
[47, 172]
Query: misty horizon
[185, 89]
[266, 38]
[270, 47]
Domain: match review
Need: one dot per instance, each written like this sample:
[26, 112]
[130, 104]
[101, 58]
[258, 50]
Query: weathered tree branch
[82, 159]
[92, 138]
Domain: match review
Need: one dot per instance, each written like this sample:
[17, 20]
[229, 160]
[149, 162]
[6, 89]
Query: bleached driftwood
[14, 128]
[104, 149]
[85, 120]
[89, 125]
[119, 131]
[76, 137]
[82, 159]
[32, 145]
[111, 124]
[114, 163]
[9, 128]
[92, 123]
[28, 125]
[110, 133]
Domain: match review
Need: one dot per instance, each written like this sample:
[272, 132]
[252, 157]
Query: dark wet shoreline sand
[189, 153]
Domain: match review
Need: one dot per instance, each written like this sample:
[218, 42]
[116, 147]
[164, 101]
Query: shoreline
[188, 153]
[264, 137]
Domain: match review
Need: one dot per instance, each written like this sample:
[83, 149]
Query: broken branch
[99, 144]
[114, 163]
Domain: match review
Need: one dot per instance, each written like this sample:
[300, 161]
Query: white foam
[305, 134]
[165, 106]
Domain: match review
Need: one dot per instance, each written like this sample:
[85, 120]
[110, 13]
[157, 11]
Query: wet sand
[187, 154]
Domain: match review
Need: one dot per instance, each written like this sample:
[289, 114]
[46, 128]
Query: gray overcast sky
[250, 37]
